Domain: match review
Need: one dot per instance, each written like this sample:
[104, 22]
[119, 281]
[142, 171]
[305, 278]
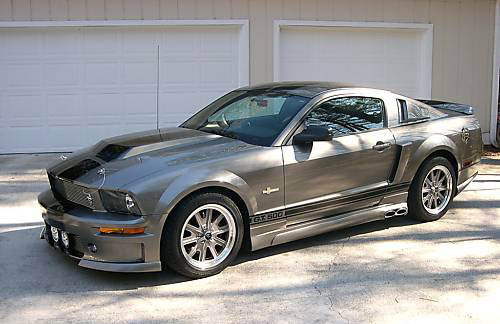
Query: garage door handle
[380, 146]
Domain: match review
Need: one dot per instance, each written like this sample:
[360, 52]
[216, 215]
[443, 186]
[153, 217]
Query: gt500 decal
[267, 217]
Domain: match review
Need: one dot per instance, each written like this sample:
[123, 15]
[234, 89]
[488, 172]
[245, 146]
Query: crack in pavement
[330, 298]
[332, 263]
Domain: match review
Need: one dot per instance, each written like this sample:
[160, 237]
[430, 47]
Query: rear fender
[431, 145]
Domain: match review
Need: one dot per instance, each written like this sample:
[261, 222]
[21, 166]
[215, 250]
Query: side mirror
[312, 134]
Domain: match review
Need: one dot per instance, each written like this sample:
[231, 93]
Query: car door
[348, 172]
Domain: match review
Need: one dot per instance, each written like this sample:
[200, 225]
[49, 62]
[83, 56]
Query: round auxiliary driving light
[65, 239]
[92, 247]
[55, 234]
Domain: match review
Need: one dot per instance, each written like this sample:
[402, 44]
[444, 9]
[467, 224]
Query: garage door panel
[296, 70]
[404, 44]
[215, 42]
[143, 72]
[24, 75]
[295, 44]
[371, 73]
[99, 105]
[178, 102]
[98, 73]
[179, 41]
[140, 42]
[21, 44]
[197, 66]
[376, 57]
[218, 72]
[64, 88]
[140, 103]
[61, 74]
[26, 137]
[25, 107]
[332, 50]
[61, 44]
[395, 70]
[180, 71]
[101, 42]
[64, 107]
[63, 136]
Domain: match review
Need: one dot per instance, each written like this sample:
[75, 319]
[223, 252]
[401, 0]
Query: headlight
[119, 202]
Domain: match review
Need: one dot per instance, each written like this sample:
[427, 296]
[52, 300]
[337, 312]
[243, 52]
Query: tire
[188, 258]
[429, 201]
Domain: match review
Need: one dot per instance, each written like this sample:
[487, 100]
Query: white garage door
[64, 88]
[386, 58]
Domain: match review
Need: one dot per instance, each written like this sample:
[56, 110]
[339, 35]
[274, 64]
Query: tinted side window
[414, 111]
[348, 115]
[417, 112]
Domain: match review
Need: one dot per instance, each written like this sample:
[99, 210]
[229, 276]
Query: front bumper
[113, 252]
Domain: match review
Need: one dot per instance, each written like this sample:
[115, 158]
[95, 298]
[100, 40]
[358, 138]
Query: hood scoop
[111, 152]
[80, 169]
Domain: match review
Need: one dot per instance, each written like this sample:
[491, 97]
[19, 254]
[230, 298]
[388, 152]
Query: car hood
[115, 162]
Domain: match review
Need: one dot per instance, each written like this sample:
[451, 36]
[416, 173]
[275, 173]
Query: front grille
[74, 193]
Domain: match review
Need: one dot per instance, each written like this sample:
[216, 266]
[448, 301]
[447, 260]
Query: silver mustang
[262, 165]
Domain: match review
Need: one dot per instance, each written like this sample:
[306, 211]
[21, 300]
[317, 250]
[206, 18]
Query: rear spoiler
[461, 108]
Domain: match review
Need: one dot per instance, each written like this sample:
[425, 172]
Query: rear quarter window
[414, 111]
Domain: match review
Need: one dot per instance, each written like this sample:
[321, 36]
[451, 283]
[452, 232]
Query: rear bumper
[113, 252]
[466, 176]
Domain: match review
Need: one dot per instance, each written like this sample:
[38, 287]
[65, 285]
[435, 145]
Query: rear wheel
[203, 235]
[432, 190]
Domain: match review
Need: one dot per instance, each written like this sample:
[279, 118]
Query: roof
[308, 89]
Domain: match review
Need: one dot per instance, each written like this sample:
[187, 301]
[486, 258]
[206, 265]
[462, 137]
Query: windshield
[255, 117]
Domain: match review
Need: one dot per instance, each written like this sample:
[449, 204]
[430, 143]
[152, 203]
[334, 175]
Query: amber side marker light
[121, 230]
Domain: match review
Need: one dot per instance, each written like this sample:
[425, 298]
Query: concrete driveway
[394, 271]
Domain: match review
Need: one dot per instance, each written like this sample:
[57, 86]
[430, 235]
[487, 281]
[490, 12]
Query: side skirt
[277, 233]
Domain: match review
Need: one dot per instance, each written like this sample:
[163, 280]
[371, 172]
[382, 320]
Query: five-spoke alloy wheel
[202, 235]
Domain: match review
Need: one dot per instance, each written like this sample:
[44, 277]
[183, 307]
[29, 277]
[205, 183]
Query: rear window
[413, 111]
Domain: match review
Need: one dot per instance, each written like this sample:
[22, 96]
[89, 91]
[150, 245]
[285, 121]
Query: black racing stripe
[280, 214]
[324, 204]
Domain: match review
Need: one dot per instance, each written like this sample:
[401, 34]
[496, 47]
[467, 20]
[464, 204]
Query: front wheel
[432, 190]
[203, 235]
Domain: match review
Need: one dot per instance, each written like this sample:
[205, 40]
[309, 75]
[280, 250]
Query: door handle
[380, 146]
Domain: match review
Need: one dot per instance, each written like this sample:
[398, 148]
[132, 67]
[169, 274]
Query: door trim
[242, 24]
[426, 29]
